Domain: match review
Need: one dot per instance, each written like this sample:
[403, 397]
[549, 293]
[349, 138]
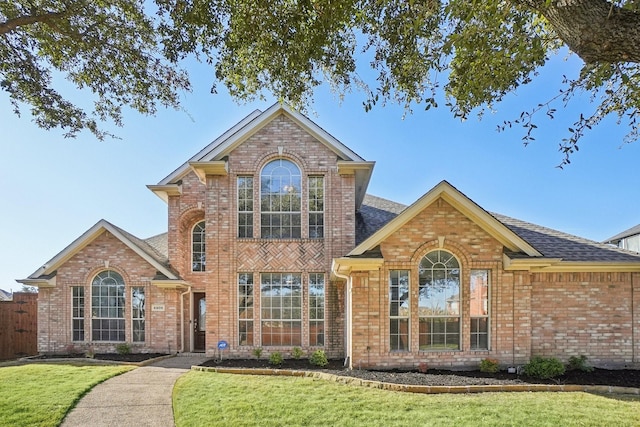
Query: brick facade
[531, 312]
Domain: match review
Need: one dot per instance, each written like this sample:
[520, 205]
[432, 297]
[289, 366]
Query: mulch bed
[621, 378]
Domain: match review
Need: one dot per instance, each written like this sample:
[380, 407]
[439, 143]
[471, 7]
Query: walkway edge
[426, 389]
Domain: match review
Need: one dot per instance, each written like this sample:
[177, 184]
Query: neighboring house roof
[212, 159]
[5, 296]
[45, 275]
[627, 233]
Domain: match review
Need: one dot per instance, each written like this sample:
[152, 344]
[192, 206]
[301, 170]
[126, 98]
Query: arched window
[198, 261]
[439, 301]
[107, 307]
[280, 200]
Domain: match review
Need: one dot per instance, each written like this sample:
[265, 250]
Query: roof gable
[512, 241]
[140, 247]
[211, 159]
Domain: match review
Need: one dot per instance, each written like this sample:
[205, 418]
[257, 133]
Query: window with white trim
[245, 206]
[280, 200]
[439, 301]
[198, 246]
[479, 309]
[316, 309]
[316, 207]
[77, 313]
[137, 314]
[281, 309]
[107, 307]
[399, 308]
[245, 308]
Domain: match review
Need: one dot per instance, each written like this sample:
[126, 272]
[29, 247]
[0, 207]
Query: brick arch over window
[293, 157]
[460, 252]
[186, 222]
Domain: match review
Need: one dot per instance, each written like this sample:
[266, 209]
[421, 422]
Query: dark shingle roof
[627, 233]
[376, 212]
[556, 244]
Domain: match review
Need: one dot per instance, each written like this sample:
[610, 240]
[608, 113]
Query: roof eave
[165, 191]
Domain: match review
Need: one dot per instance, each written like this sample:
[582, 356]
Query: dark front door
[199, 321]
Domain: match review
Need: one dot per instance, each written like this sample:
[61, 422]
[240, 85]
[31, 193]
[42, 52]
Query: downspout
[182, 318]
[348, 358]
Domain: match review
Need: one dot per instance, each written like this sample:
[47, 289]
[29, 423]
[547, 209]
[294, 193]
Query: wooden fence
[19, 326]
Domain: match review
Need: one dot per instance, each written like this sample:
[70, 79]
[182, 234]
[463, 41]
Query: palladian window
[439, 302]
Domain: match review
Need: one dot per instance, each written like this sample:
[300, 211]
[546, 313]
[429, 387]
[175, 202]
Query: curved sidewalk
[141, 397]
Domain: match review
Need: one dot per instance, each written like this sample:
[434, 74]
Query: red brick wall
[105, 252]
[546, 314]
[216, 202]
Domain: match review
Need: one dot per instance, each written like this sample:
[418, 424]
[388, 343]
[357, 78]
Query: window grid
[316, 207]
[316, 309]
[281, 309]
[77, 313]
[479, 309]
[280, 200]
[245, 206]
[439, 302]
[138, 312]
[245, 309]
[399, 310]
[198, 249]
[107, 307]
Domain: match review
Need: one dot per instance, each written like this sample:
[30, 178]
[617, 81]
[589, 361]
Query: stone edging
[426, 389]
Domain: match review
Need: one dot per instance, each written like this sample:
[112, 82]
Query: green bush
[276, 359]
[579, 363]
[257, 352]
[544, 367]
[489, 365]
[123, 348]
[318, 358]
[297, 352]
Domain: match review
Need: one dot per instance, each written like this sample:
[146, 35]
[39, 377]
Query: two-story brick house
[273, 242]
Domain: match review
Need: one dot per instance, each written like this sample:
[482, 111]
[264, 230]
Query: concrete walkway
[141, 397]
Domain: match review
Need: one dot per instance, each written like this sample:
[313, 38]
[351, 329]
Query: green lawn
[207, 398]
[41, 394]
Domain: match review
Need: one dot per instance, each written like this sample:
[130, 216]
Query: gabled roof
[627, 233]
[461, 202]
[45, 275]
[213, 156]
[544, 248]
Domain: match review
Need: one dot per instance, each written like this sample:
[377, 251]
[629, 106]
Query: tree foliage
[470, 52]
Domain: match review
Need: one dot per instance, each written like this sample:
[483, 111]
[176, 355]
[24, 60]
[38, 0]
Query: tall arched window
[280, 200]
[439, 301]
[107, 307]
[198, 260]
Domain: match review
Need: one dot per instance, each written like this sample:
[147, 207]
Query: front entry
[199, 321]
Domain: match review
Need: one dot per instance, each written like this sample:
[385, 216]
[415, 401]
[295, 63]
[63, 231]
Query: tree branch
[20, 21]
[596, 30]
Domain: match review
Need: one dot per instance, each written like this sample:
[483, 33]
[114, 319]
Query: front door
[199, 321]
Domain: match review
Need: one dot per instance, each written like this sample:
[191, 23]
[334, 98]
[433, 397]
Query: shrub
[123, 348]
[423, 367]
[257, 352]
[579, 363]
[544, 367]
[489, 365]
[297, 352]
[276, 359]
[318, 358]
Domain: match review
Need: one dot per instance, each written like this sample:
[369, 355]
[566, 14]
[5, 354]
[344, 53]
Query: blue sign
[222, 345]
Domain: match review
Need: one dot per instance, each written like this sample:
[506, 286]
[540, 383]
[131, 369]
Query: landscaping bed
[438, 377]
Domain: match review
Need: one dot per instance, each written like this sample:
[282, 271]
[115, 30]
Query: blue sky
[54, 188]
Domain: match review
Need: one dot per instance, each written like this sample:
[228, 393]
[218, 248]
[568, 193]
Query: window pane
[198, 248]
[281, 314]
[280, 197]
[108, 302]
[399, 310]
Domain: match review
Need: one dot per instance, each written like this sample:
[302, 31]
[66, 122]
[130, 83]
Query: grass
[206, 398]
[41, 394]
